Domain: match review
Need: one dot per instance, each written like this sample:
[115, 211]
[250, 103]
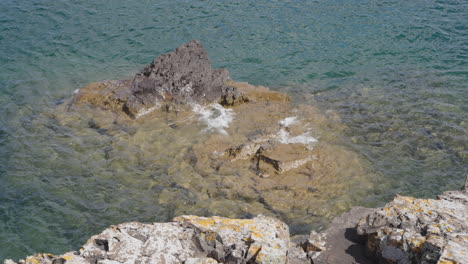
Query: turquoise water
[395, 71]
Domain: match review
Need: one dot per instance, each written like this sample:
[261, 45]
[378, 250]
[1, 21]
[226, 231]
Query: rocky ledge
[406, 230]
[188, 239]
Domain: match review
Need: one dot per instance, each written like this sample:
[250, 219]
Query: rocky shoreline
[273, 156]
[406, 230]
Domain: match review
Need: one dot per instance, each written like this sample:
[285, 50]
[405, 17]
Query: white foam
[76, 91]
[285, 138]
[216, 117]
[288, 121]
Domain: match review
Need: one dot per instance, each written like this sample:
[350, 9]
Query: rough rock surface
[409, 230]
[188, 239]
[184, 75]
[406, 230]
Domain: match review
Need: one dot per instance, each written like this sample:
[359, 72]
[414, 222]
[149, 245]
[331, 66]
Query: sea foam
[215, 116]
[285, 138]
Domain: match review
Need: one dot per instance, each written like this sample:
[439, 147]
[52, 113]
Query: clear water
[395, 71]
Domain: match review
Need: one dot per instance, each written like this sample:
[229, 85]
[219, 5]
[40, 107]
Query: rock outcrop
[406, 230]
[181, 76]
[409, 230]
[188, 239]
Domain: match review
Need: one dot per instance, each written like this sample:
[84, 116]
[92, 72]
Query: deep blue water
[395, 71]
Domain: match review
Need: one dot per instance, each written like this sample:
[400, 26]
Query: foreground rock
[188, 239]
[409, 230]
[406, 230]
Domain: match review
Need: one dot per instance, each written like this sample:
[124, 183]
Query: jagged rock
[259, 240]
[188, 239]
[409, 230]
[244, 151]
[182, 76]
[231, 96]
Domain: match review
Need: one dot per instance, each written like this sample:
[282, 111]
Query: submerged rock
[183, 79]
[281, 158]
[106, 95]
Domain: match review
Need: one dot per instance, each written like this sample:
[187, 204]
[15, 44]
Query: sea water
[394, 71]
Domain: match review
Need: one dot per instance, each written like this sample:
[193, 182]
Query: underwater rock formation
[184, 78]
[250, 152]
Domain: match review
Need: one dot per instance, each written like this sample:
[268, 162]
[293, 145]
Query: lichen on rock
[410, 230]
[188, 239]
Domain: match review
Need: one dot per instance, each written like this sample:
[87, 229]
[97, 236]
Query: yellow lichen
[32, 260]
[256, 235]
[254, 249]
[442, 261]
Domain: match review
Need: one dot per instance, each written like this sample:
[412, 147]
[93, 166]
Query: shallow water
[394, 71]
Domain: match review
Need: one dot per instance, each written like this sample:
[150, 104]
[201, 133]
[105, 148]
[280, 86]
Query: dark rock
[339, 243]
[182, 76]
[232, 96]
